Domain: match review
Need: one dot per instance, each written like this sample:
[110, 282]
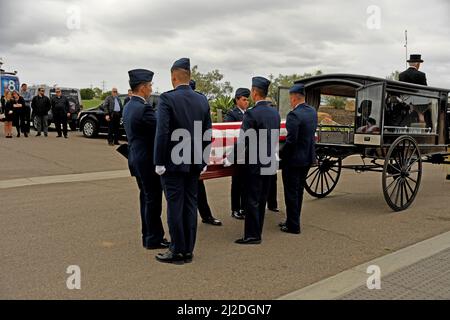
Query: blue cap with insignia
[297, 88]
[242, 92]
[183, 63]
[192, 84]
[138, 76]
[261, 83]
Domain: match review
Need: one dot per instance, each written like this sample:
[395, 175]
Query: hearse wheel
[324, 176]
[402, 173]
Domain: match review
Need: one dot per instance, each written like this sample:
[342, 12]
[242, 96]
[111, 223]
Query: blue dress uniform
[261, 117]
[185, 109]
[297, 156]
[202, 197]
[237, 182]
[140, 126]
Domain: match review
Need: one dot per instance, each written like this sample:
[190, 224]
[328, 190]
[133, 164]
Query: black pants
[202, 200]
[294, 183]
[113, 127]
[60, 120]
[257, 187]
[238, 191]
[272, 202]
[22, 120]
[151, 207]
[181, 194]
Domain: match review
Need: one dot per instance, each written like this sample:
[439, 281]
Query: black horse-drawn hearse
[395, 127]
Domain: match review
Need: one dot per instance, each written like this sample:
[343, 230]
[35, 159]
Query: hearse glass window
[369, 109]
[410, 114]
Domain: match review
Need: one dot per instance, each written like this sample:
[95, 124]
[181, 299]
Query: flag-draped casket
[224, 136]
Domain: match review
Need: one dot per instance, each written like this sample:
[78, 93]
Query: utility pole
[103, 85]
[406, 48]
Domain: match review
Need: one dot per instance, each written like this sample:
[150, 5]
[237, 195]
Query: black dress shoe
[212, 221]
[448, 177]
[274, 209]
[59, 136]
[164, 244]
[248, 241]
[238, 215]
[26, 135]
[38, 135]
[188, 257]
[169, 257]
[282, 224]
[287, 230]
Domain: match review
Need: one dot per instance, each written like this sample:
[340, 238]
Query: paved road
[95, 224]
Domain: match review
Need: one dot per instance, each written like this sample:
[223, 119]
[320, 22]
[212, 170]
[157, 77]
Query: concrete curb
[349, 280]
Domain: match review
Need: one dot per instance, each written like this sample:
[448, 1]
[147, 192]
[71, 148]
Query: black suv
[92, 121]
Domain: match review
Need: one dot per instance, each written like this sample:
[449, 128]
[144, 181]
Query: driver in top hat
[412, 74]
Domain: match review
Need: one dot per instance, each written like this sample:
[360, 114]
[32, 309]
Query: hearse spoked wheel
[402, 173]
[324, 176]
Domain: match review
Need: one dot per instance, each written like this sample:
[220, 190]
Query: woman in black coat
[8, 110]
[21, 114]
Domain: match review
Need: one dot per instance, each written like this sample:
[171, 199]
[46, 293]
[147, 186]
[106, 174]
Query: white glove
[204, 170]
[160, 170]
[227, 163]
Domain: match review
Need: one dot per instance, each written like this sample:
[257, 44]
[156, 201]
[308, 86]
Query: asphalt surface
[96, 225]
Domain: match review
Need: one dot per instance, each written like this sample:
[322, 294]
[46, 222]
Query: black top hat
[415, 58]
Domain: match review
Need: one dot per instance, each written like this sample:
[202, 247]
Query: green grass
[89, 104]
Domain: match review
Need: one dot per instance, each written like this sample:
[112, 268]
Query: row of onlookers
[16, 110]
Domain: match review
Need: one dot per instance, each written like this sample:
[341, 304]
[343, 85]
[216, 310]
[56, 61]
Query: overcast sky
[45, 43]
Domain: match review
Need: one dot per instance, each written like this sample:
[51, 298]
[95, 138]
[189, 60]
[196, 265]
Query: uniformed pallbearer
[297, 155]
[264, 121]
[237, 182]
[202, 197]
[181, 110]
[140, 125]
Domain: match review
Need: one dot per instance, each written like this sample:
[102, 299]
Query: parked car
[92, 121]
[72, 94]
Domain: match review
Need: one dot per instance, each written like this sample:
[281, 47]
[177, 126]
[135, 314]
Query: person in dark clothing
[297, 156]
[236, 114]
[8, 110]
[113, 109]
[41, 105]
[202, 199]
[128, 98]
[139, 120]
[2, 104]
[186, 110]
[21, 114]
[61, 111]
[264, 121]
[413, 75]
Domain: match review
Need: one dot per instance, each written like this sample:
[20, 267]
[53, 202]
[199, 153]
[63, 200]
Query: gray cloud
[239, 38]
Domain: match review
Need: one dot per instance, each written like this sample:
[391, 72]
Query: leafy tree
[87, 94]
[395, 75]
[210, 83]
[98, 92]
[337, 102]
[223, 103]
[105, 95]
[286, 81]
